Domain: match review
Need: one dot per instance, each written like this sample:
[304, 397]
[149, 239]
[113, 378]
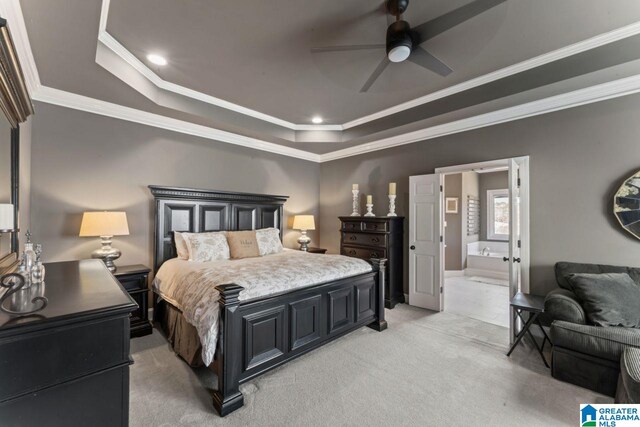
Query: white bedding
[190, 286]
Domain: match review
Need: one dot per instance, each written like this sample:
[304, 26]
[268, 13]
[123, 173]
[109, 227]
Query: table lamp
[304, 223]
[6, 218]
[105, 225]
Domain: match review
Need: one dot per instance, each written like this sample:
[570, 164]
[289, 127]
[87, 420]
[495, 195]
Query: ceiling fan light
[399, 53]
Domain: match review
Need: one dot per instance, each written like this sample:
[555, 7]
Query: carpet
[426, 369]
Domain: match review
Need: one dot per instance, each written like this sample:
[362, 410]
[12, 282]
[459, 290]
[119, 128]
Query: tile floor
[481, 301]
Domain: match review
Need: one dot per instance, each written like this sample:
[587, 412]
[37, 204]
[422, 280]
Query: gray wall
[453, 232]
[578, 159]
[490, 181]
[82, 161]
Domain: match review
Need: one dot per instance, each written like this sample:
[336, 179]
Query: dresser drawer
[363, 253]
[374, 226]
[364, 239]
[134, 282]
[37, 360]
[352, 225]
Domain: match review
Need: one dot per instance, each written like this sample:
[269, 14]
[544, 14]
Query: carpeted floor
[426, 369]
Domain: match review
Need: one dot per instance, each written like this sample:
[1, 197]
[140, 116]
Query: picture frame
[451, 205]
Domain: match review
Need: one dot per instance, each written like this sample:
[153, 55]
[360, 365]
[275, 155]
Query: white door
[424, 241]
[514, 237]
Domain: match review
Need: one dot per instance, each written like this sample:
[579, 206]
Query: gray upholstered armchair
[584, 354]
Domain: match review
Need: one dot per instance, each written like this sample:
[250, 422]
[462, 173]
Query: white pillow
[269, 241]
[207, 246]
[181, 245]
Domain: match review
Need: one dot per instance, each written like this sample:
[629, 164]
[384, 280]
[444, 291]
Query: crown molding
[12, 12]
[103, 108]
[591, 43]
[589, 95]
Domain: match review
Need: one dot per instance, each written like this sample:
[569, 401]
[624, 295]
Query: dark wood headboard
[196, 211]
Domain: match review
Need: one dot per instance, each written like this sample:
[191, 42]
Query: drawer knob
[352, 252]
[353, 238]
[375, 239]
[374, 254]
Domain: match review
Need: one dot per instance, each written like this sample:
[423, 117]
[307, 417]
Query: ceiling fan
[403, 41]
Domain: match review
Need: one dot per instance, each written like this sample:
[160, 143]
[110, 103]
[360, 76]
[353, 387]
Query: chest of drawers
[377, 237]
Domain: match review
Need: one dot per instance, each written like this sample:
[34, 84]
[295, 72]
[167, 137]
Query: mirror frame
[9, 261]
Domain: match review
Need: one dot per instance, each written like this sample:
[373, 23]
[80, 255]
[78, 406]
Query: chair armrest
[561, 304]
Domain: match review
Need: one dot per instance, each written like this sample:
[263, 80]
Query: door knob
[505, 259]
[516, 259]
[412, 247]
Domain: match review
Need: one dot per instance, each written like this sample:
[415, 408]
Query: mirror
[626, 205]
[5, 181]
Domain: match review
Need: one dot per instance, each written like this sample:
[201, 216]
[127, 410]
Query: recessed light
[156, 59]
[317, 120]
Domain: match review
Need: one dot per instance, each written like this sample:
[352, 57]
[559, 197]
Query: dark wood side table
[534, 305]
[135, 279]
[316, 250]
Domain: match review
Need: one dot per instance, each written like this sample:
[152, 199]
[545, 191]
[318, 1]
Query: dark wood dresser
[135, 280]
[377, 237]
[69, 363]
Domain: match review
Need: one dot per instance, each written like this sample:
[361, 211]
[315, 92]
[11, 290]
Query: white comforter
[190, 286]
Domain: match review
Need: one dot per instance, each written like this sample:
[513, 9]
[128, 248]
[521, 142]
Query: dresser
[135, 280]
[377, 237]
[69, 363]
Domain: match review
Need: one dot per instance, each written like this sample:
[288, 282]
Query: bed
[256, 330]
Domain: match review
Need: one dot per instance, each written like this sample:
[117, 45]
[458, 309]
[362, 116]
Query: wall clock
[626, 205]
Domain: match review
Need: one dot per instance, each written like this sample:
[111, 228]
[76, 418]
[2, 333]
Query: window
[498, 214]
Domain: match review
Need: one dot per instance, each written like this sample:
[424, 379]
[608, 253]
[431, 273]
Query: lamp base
[304, 241]
[107, 253]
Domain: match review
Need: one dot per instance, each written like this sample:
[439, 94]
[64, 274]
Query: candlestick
[392, 188]
[369, 209]
[356, 202]
[392, 205]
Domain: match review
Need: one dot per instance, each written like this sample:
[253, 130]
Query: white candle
[369, 199]
[392, 188]
[354, 187]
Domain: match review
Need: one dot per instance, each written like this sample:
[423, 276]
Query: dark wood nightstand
[316, 250]
[135, 278]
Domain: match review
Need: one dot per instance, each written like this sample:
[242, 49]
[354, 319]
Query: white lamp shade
[104, 224]
[303, 222]
[6, 216]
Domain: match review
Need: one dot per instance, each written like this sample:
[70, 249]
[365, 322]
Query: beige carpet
[426, 369]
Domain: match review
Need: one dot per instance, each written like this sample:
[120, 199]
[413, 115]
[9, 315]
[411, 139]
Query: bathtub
[488, 265]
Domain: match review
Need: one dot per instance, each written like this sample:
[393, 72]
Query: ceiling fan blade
[347, 48]
[376, 73]
[421, 57]
[449, 20]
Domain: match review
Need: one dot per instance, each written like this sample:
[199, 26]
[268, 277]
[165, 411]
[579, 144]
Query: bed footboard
[259, 335]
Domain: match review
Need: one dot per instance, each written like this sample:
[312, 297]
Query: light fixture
[156, 59]
[399, 42]
[304, 223]
[316, 120]
[106, 225]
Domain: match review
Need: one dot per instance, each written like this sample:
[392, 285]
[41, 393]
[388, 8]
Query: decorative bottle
[37, 273]
[29, 258]
[22, 270]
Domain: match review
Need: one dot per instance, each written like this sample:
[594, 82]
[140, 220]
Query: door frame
[525, 236]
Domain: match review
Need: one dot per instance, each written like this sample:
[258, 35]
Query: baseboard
[406, 298]
[454, 273]
[486, 273]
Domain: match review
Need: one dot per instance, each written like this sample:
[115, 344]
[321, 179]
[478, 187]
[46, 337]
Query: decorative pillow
[243, 244]
[181, 245]
[609, 299]
[207, 246]
[269, 241]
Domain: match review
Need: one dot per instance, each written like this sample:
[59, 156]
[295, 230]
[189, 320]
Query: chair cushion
[630, 373]
[606, 343]
[609, 299]
[564, 269]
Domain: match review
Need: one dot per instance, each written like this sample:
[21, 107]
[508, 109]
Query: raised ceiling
[255, 54]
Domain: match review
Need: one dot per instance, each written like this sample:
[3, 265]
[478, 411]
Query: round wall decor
[626, 205]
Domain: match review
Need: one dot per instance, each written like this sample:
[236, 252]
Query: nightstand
[134, 279]
[316, 250]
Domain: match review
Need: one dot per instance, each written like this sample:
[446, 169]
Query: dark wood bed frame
[258, 335]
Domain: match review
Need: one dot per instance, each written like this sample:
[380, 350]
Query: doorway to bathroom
[479, 258]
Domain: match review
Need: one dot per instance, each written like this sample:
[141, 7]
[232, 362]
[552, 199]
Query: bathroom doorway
[480, 258]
